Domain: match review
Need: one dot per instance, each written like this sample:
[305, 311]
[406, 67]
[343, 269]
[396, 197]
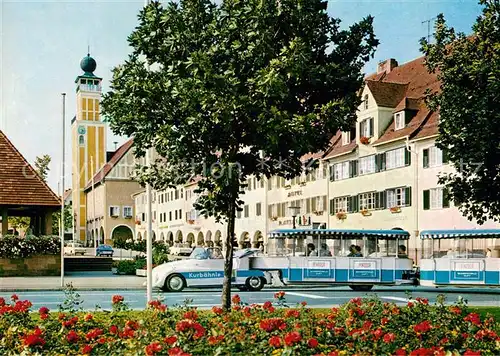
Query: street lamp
[295, 211]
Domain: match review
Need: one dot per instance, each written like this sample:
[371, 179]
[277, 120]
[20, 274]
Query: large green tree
[469, 117]
[243, 88]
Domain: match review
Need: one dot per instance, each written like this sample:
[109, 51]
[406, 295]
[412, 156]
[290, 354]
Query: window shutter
[408, 196]
[382, 161]
[323, 208]
[426, 158]
[355, 168]
[377, 200]
[446, 198]
[407, 157]
[371, 126]
[349, 204]
[427, 199]
[353, 133]
[308, 205]
[332, 206]
[377, 163]
[332, 173]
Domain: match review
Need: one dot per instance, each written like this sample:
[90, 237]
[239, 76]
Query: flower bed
[20, 247]
[362, 327]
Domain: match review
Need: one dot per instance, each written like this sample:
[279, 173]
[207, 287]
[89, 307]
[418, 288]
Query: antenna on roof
[429, 27]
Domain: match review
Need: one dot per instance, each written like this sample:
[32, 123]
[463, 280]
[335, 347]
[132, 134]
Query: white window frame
[365, 102]
[366, 165]
[399, 120]
[435, 157]
[341, 170]
[258, 209]
[341, 205]
[346, 138]
[319, 203]
[395, 158]
[436, 198]
[366, 201]
[396, 197]
[364, 128]
[114, 211]
[129, 208]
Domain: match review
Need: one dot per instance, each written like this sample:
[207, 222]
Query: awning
[337, 234]
[455, 234]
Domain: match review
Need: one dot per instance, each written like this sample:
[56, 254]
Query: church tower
[88, 140]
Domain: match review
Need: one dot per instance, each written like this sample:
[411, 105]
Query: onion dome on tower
[88, 64]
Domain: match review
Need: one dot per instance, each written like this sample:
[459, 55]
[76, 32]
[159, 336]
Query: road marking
[399, 299]
[305, 295]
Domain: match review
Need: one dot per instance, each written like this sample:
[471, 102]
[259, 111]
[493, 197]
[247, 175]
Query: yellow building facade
[88, 141]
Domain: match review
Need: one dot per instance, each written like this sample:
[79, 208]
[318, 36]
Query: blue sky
[42, 43]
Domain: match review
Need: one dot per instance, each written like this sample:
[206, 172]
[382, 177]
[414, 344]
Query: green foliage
[468, 102]
[42, 166]
[72, 300]
[242, 88]
[140, 263]
[126, 267]
[68, 219]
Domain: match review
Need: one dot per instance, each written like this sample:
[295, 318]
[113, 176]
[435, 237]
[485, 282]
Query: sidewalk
[92, 281]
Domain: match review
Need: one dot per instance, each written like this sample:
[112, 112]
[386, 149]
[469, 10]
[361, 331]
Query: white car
[74, 248]
[205, 267]
[180, 249]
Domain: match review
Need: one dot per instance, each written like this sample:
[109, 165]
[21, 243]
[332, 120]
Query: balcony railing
[89, 87]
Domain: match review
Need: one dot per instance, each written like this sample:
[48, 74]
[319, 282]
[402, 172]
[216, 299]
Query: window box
[395, 209]
[138, 222]
[274, 218]
[191, 222]
[317, 212]
[365, 212]
[364, 140]
[341, 215]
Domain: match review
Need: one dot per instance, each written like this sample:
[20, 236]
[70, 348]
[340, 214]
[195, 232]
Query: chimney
[387, 66]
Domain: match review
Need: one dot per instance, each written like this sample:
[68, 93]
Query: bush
[362, 327]
[140, 263]
[20, 247]
[126, 267]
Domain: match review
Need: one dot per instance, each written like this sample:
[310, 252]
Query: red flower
[101, 340]
[267, 305]
[367, 325]
[279, 295]
[472, 353]
[43, 310]
[384, 320]
[89, 317]
[152, 348]
[236, 299]
[87, 349]
[213, 340]
[156, 304]
[191, 315]
[312, 343]
[132, 324]
[410, 305]
[72, 337]
[177, 351]
[356, 301]
[217, 310]
[377, 334]
[113, 329]
[170, 340]
[303, 303]
[400, 352]
[117, 299]
[34, 339]
[422, 300]
[94, 334]
[71, 322]
[292, 313]
[272, 324]
[455, 310]
[188, 325]
[2, 302]
[292, 338]
[474, 318]
[14, 297]
[422, 327]
[275, 341]
[422, 352]
[389, 337]
[333, 353]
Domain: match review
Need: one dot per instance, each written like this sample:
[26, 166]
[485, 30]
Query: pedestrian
[488, 252]
[310, 249]
[358, 251]
[352, 251]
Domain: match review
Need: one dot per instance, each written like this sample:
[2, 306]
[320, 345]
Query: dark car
[104, 250]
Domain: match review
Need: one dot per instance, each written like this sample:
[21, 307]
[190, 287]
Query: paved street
[206, 298]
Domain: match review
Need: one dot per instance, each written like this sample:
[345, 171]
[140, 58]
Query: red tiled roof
[337, 148]
[19, 182]
[386, 94]
[407, 104]
[429, 128]
[117, 156]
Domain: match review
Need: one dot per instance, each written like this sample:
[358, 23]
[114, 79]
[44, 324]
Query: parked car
[74, 248]
[104, 250]
[181, 249]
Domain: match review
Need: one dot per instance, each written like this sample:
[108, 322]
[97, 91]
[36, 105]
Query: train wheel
[361, 288]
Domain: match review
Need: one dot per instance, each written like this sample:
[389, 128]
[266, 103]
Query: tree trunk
[228, 262]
